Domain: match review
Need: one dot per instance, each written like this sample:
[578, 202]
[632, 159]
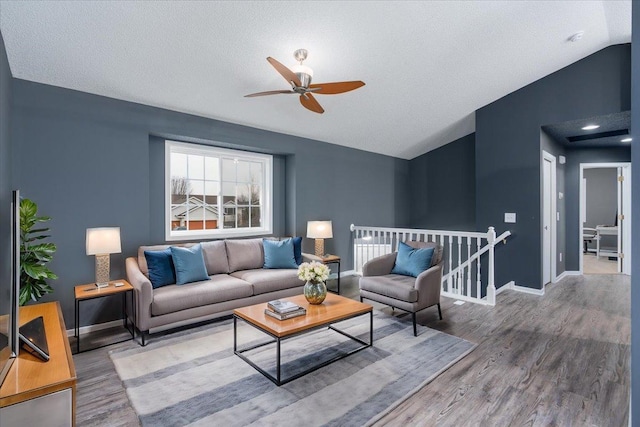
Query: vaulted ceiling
[427, 65]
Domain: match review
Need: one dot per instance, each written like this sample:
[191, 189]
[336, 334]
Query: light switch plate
[510, 217]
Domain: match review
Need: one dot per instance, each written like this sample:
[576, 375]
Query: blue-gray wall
[442, 187]
[508, 164]
[5, 179]
[92, 161]
[635, 217]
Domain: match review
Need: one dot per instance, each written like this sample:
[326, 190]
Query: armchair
[407, 293]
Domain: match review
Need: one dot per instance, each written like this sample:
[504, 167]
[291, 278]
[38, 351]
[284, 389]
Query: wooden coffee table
[334, 309]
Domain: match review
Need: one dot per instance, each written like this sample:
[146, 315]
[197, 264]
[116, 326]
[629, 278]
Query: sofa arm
[429, 283]
[379, 266]
[143, 291]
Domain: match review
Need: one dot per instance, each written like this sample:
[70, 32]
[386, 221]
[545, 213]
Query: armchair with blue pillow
[409, 279]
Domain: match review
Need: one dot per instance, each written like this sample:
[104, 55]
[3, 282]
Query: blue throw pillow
[279, 254]
[189, 264]
[412, 262]
[297, 249]
[160, 266]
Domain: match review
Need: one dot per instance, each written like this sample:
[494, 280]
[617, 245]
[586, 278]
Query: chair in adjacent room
[411, 291]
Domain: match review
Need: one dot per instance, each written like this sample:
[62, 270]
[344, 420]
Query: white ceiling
[427, 65]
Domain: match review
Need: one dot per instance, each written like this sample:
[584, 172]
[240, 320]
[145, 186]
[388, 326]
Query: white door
[547, 216]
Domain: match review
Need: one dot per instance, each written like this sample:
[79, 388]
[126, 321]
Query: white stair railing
[462, 274]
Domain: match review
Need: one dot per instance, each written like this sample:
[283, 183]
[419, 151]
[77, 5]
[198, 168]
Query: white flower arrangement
[313, 272]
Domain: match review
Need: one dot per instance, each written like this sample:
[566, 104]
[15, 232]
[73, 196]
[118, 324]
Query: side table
[327, 259]
[90, 291]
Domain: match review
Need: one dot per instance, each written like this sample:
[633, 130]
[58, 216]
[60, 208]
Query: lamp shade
[319, 230]
[103, 240]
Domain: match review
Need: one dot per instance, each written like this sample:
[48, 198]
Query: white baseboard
[566, 274]
[508, 285]
[97, 327]
[513, 287]
[348, 273]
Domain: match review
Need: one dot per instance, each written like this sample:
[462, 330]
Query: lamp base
[102, 270]
[319, 247]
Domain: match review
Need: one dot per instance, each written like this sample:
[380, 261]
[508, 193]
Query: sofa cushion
[279, 254]
[161, 269]
[142, 262]
[391, 285]
[219, 288]
[264, 281]
[189, 264]
[412, 261]
[297, 249]
[244, 254]
[215, 257]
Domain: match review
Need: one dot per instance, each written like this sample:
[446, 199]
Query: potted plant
[34, 254]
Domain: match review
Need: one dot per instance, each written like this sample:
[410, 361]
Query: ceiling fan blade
[288, 75]
[337, 87]
[270, 92]
[310, 103]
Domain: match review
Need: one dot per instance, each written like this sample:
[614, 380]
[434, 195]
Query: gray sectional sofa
[236, 279]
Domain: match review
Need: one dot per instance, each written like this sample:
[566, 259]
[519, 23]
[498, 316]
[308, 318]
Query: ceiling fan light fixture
[302, 69]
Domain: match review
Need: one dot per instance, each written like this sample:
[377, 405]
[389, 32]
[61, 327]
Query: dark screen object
[34, 339]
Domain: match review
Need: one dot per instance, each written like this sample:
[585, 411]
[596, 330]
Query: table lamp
[319, 230]
[102, 242]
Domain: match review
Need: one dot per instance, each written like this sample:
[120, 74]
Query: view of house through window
[213, 191]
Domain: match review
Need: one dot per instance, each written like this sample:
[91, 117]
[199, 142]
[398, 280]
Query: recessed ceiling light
[626, 140]
[591, 127]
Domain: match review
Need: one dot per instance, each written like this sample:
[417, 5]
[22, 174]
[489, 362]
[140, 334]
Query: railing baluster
[469, 267]
[479, 277]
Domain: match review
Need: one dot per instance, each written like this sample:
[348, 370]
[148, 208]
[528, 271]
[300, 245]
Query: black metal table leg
[77, 326]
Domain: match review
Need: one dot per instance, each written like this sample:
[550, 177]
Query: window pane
[178, 217]
[179, 190]
[211, 191]
[243, 169]
[255, 217]
[256, 172]
[196, 167]
[228, 193]
[194, 214]
[244, 194]
[178, 165]
[256, 196]
[229, 217]
[196, 190]
[211, 168]
[228, 170]
[243, 217]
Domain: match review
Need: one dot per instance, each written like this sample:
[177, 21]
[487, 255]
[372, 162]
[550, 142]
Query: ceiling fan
[300, 80]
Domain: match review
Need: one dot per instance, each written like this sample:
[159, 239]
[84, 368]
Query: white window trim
[267, 206]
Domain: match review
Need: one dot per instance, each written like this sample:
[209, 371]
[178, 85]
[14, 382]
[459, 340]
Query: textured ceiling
[611, 123]
[427, 65]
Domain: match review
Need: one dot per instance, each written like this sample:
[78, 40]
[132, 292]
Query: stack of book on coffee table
[281, 309]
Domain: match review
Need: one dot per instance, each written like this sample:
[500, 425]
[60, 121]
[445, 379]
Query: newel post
[491, 287]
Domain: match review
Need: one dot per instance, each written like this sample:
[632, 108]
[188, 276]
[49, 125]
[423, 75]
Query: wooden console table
[37, 392]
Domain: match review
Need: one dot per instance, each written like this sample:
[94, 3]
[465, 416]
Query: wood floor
[558, 360]
[602, 265]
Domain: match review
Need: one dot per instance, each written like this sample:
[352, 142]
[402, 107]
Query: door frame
[626, 237]
[548, 157]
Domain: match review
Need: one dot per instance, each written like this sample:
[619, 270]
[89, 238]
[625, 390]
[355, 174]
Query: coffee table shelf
[334, 309]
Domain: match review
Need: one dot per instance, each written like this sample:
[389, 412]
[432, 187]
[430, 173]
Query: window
[215, 192]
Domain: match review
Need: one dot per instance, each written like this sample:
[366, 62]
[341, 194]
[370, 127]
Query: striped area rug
[193, 378]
